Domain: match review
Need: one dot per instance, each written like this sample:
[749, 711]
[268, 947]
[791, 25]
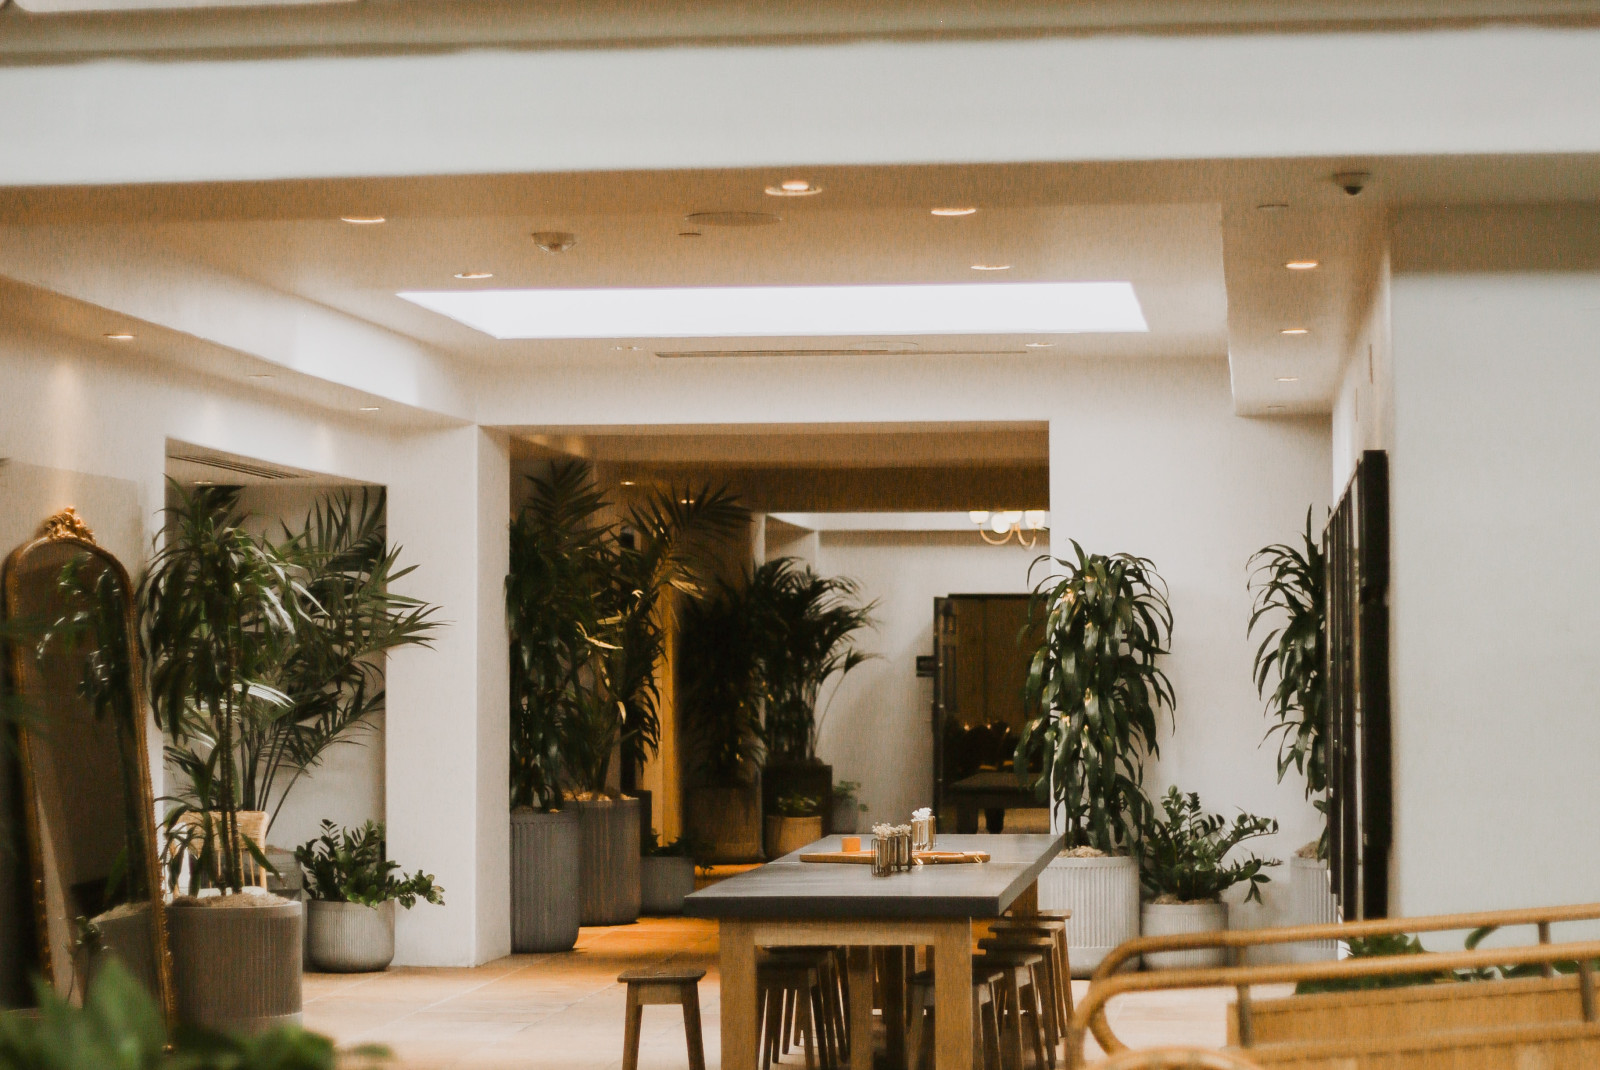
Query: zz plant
[1184, 854]
[1290, 587]
[352, 866]
[1096, 693]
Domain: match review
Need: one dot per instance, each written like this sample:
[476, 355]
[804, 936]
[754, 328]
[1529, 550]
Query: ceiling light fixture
[628, 482]
[625, 349]
[1295, 330]
[474, 275]
[1301, 265]
[119, 336]
[1288, 378]
[261, 375]
[991, 267]
[362, 220]
[794, 187]
[554, 241]
[1037, 345]
[369, 408]
[1026, 308]
[1024, 524]
[952, 211]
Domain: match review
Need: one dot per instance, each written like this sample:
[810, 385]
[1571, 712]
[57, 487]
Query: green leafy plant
[654, 847]
[1386, 946]
[216, 603]
[798, 806]
[805, 624]
[1095, 691]
[119, 1027]
[352, 866]
[847, 792]
[1290, 588]
[719, 687]
[1184, 853]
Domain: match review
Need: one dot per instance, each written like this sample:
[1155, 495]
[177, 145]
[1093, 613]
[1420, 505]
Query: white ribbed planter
[545, 848]
[1103, 895]
[664, 881]
[236, 967]
[350, 937]
[1311, 902]
[1176, 919]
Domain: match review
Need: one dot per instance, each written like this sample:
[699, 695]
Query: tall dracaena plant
[214, 603]
[1097, 692]
[1290, 588]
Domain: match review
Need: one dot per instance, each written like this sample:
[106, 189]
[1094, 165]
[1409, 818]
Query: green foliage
[1290, 588]
[1095, 691]
[797, 805]
[682, 847]
[846, 792]
[720, 689]
[586, 605]
[119, 1027]
[216, 602]
[352, 866]
[1394, 944]
[1185, 850]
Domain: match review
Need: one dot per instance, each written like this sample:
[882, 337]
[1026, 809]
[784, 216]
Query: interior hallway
[528, 1012]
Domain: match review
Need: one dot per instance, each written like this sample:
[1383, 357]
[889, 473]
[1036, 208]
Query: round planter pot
[545, 851]
[1174, 919]
[350, 937]
[664, 880]
[788, 834]
[289, 879]
[236, 967]
[608, 860]
[1103, 895]
[814, 780]
[844, 815]
[726, 822]
[1311, 902]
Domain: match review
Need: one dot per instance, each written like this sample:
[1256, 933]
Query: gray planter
[236, 967]
[608, 860]
[844, 814]
[350, 937]
[544, 880]
[664, 880]
[1179, 919]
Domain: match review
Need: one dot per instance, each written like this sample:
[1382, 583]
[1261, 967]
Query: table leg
[894, 1005]
[952, 996]
[860, 966]
[966, 817]
[1028, 902]
[738, 968]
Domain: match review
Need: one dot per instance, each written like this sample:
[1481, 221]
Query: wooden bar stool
[1055, 993]
[663, 986]
[790, 997]
[829, 1013]
[1022, 1019]
[985, 1019]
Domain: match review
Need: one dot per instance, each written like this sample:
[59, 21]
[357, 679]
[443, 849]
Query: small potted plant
[1184, 869]
[666, 875]
[798, 821]
[353, 887]
[845, 814]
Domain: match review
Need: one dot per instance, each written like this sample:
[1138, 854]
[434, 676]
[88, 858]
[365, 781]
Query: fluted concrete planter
[789, 834]
[1173, 919]
[236, 966]
[350, 937]
[545, 850]
[726, 821]
[1311, 902]
[1103, 895]
[608, 860]
[664, 881]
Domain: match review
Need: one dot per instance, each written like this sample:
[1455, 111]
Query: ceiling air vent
[243, 468]
[858, 352]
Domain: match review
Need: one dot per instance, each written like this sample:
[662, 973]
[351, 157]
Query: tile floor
[531, 1012]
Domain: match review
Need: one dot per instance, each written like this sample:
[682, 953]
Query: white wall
[1495, 594]
[1153, 465]
[878, 729]
[1363, 411]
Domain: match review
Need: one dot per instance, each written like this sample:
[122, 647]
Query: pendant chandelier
[998, 526]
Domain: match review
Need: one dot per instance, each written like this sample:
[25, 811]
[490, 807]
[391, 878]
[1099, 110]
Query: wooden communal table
[788, 902]
[992, 792]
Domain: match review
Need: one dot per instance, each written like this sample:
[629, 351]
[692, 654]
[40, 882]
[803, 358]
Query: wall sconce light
[997, 526]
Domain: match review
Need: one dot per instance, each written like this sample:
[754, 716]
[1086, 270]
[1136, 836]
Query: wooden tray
[927, 858]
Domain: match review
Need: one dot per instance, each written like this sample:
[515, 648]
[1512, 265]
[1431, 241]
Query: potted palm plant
[1184, 868]
[1097, 692]
[1290, 588]
[215, 602]
[354, 887]
[806, 624]
[666, 875]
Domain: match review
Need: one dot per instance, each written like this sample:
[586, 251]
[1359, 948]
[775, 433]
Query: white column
[447, 732]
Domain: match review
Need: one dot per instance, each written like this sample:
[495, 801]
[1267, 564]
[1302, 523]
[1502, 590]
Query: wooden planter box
[726, 823]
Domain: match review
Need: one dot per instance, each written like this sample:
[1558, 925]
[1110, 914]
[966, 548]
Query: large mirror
[85, 783]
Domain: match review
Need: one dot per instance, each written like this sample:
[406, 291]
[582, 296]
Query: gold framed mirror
[87, 804]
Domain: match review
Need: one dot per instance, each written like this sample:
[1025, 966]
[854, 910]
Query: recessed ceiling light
[474, 274]
[369, 408]
[953, 211]
[1272, 206]
[119, 336]
[362, 220]
[625, 349]
[627, 482]
[1037, 345]
[205, 483]
[1301, 265]
[1026, 308]
[1288, 378]
[261, 375]
[1295, 330]
[794, 187]
[991, 267]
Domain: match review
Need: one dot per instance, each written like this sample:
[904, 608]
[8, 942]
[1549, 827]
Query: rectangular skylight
[789, 311]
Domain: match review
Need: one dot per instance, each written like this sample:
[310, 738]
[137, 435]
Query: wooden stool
[792, 984]
[1054, 922]
[985, 1019]
[663, 986]
[1019, 1002]
[1057, 1002]
[829, 1012]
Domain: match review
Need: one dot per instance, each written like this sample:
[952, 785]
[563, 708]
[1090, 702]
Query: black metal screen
[1360, 811]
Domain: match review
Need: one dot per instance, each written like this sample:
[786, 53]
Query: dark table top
[790, 888]
[993, 781]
